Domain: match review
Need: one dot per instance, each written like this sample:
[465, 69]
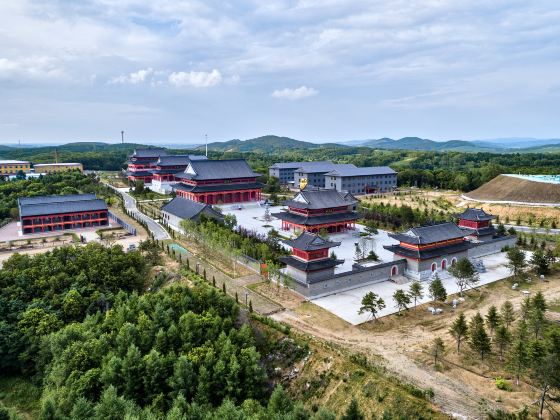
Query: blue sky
[317, 70]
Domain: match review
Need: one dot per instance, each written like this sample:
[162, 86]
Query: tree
[465, 274]
[547, 375]
[516, 261]
[502, 340]
[416, 291]
[478, 338]
[501, 230]
[493, 319]
[459, 330]
[507, 313]
[437, 291]
[372, 303]
[353, 411]
[437, 349]
[540, 262]
[401, 299]
[518, 357]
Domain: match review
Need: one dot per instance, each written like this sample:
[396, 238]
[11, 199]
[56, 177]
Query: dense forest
[63, 183]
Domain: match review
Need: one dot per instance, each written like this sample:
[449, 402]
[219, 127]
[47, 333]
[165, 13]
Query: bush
[502, 384]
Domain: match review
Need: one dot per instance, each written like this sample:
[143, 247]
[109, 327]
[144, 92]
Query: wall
[359, 276]
[492, 246]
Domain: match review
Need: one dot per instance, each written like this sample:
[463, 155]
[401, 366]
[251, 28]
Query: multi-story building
[361, 180]
[478, 223]
[219, 182]
[166, 167]
[13, 167]
[51, 168]
[180, 209]
[314, 209]
[60, 212]
[284, 171]
[141, 162]
[313, 173]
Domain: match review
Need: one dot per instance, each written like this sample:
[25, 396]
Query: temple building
[219, 182]
[180, 209]
[314, 209]
[478, 223]
[430, 248]
[141, 162]
[310, 261]
[166, 167]
[60, 212]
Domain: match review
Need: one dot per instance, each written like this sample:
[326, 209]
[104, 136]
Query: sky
[316, 70]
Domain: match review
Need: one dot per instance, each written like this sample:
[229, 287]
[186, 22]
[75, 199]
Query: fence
[125, 225]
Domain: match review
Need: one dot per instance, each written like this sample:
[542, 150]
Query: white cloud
[198, 79]
[295, 94]
[134, 78]
[34, 67]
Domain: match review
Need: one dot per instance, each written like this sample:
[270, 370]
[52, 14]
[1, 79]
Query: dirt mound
[506, 188]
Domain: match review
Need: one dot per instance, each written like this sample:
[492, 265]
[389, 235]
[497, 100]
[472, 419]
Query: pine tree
[478, 338]
[518, 357]
[353, 411]
[507, 313]
[492, 319]
[437, 349]
[224, 288]
[214, 281]
[416, 291]
[502, 340]
[437, 291]
[459, 330]
[402, 300]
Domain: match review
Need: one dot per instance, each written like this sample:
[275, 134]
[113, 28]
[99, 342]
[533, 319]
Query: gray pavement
[154, 227]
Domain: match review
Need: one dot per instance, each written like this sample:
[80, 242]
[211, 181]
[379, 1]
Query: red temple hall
[60, 212]
[141, 162]
[314, 209]
[219, 182]
[478, 222]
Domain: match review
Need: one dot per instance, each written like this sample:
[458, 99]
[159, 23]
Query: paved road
[130, 204]
[529, 229]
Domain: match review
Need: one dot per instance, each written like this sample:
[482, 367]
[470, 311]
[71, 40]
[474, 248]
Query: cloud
[135, 78]
[295, 94]
[198, 79]
[34, 67]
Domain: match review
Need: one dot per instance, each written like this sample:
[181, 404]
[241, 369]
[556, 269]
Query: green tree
[493, 319]
[402, 300]
[518, 356]
[459, 330]
[479, 340]
[502, 340]
[353, 411]
[437, 290]
[507, 313]
[465, 274]
[437, 349]
[372, 303]
[416, 291]
[540, 262]
[516, 261]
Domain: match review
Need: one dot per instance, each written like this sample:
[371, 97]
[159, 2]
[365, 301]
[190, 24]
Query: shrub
[502, 384]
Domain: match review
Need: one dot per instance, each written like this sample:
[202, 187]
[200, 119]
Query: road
[528, 229]
[130, 204]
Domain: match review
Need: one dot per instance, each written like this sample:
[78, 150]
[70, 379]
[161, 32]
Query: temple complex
[218, 182]
[141, 162]
[314, 209]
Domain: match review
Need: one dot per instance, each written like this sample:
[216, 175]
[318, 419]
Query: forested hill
[266, 144]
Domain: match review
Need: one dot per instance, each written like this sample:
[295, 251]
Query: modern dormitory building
[53, 168]
[314, 209]
[341, 177]
[12, 167]
[362, 180]
[219, 182]
[60, 212]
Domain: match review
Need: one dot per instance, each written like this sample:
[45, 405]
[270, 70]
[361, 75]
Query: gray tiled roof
[217, 187]
[317, 198]
[182, 160]
[150, 152]
[322, 167]
[188, 209]
[220, 169]
[372, 170]
[429, 253]
[296, 165]
[311, 265]
[310, 242]
[476, 215]
[301, 219]
[53, 204]
[430, 234]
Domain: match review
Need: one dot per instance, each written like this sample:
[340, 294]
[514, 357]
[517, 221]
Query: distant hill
[264, 144]
[417, 143]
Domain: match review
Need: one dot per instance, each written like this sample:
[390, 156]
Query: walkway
[154, 227]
